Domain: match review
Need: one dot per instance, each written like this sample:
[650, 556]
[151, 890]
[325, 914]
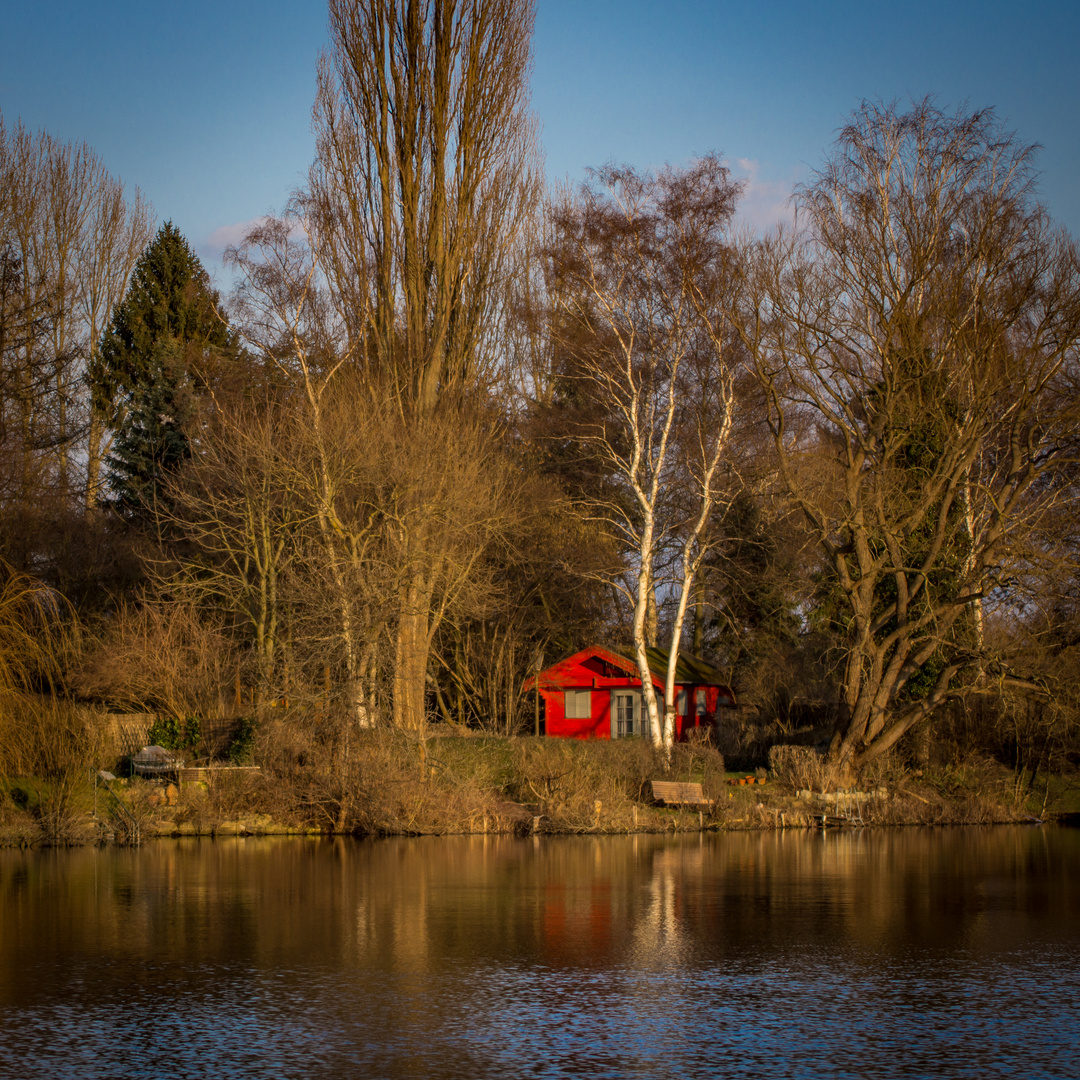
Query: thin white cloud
[766, 202]
[212, 249]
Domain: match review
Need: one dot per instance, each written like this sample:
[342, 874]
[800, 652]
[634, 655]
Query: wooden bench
[673, 793]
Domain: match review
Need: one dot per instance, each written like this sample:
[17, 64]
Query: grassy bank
[395, 784]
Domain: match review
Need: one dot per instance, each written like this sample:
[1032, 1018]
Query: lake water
[901, 953]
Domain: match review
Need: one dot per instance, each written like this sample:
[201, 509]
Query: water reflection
[903, 953]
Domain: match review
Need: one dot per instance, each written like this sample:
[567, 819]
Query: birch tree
[641, 271]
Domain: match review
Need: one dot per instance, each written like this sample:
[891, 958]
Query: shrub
[565, 778]
[242, 748]
[167, 657]
[53, 744]
[174, 734]
[799, 767]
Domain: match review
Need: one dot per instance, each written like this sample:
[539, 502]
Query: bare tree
[394, 513]
[641, 275]
[233, 509]
[425, 165]
[528, 601]
[39, 211]
[114, 234]
[285, 314]
[68, 240]
[914, 340]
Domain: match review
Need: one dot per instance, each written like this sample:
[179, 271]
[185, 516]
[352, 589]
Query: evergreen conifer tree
[166, 343]
[153, 437]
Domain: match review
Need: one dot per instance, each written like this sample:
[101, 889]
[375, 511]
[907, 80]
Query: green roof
[688, 668]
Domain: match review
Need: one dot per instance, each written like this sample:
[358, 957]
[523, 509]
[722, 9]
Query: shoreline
[770, 812]
[507, 785]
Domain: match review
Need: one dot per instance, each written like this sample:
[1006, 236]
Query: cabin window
[625, 714]
[578, 704]
[699, 701]
[680, 701]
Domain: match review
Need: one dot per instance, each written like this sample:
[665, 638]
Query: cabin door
[626, 716]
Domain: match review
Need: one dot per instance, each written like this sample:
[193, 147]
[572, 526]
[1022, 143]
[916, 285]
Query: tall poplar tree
[425, 173]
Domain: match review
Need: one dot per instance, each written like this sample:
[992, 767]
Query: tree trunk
[411, 654]
[699, 615]
[652, 617]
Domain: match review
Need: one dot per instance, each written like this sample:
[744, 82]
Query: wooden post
[536, 703]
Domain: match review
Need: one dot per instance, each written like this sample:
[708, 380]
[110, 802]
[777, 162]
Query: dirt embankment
[393, 784]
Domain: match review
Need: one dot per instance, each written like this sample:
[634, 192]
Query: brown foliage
[170, 657]
[917, 342]
[566, 779]
[799, 768]
[52, 744]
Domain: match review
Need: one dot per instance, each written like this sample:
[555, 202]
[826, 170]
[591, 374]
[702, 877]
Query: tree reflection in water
[886, 953]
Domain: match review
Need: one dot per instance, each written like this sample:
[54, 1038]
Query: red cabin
[596, 694]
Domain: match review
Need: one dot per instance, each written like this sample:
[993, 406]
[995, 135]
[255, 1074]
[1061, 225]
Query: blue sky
[206, 105]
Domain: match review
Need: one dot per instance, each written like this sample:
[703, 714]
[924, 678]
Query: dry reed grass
[396, 782]
[799, 768]
[47, 749]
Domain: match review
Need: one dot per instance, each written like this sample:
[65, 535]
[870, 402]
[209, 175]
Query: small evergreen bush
[174, 734]
[242, 748]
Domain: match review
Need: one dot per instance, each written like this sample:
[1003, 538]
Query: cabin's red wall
[598, 724]
[589, 673]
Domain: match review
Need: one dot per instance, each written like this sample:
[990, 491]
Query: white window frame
[576, 700]
[622, 725]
